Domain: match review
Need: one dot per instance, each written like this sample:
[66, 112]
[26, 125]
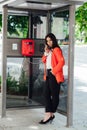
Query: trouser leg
[52, 90]
[47, 95]
[55, 90]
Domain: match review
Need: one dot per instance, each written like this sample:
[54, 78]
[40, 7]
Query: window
[39, 26]
[17, 26]
[60, 25]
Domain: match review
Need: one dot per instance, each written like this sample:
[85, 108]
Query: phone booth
[21, 61]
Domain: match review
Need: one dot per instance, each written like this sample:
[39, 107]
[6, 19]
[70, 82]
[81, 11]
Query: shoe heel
[51, 121]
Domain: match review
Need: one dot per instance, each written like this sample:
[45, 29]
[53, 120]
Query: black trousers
[51, 93]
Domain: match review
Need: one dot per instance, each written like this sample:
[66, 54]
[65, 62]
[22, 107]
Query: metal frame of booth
[70, 63]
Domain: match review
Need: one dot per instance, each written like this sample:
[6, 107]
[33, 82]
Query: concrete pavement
[27, 119]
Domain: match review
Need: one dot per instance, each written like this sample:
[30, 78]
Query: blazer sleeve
[44, 58]
[60, 61]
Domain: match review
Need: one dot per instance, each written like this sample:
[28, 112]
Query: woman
[53, 74]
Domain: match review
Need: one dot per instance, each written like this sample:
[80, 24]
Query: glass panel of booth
[60, 27]
[17, 82]
[18, 26]
[24, 82]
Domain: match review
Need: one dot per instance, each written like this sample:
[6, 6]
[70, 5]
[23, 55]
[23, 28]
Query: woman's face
[49, 41]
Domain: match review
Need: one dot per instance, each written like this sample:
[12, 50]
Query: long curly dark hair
[53, 38]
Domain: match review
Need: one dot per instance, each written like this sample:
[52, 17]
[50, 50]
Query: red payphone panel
[27, 47]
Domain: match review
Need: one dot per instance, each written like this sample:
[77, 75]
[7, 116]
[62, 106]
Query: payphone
[27, 47]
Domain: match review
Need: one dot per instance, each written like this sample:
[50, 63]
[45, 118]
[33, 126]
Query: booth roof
[38, 4]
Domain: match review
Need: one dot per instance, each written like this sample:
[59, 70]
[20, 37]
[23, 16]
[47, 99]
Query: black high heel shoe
[47, 121]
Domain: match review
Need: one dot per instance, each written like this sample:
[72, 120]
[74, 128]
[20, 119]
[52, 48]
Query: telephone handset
[48, 47]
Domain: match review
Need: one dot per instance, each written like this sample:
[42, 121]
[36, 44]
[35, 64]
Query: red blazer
[57, 62]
